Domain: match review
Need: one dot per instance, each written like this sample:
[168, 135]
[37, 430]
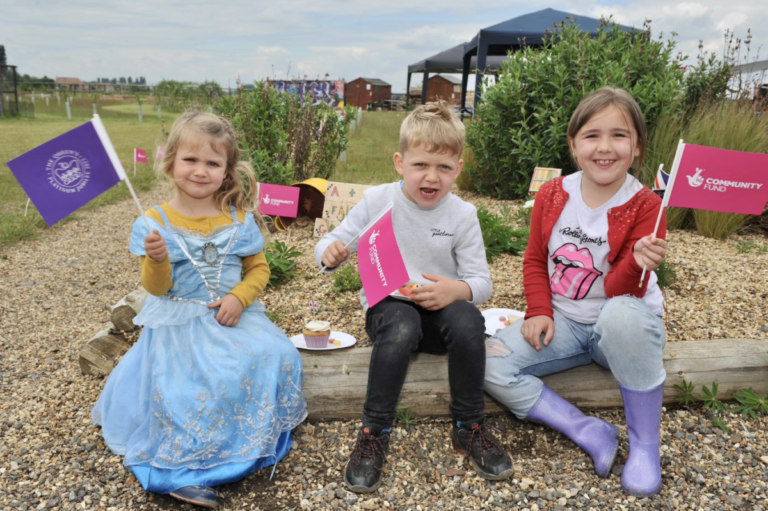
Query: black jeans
[397, 328]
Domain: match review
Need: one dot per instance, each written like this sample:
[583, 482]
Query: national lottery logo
[719, 185]
[276, 202]
[68, 171]
[696, 180]
[374, 235]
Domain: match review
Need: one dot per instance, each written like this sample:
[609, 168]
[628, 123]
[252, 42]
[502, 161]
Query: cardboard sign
[339, 199]
[540, 176]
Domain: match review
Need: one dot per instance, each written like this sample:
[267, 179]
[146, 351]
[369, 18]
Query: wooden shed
[362, 92]
[444, 87]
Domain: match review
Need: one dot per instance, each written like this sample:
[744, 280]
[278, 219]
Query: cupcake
[316, 334]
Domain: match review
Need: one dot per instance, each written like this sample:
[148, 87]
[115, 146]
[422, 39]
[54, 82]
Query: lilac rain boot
[641, 476]
[598, 438]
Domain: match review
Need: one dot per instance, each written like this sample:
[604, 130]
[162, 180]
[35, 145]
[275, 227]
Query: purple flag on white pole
[69, 171]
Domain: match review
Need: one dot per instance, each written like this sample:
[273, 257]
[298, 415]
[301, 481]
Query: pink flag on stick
[720, 180]
[141, 155]
[381, 265]
[278, 200]
[160, 152]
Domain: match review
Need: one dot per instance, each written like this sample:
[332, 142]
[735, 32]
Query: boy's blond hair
[239, 186]
[433, 126]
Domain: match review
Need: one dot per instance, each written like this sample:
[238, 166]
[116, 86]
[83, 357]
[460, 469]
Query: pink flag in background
[720, 180]
[141, 155]
[160, 152]
[381, 265]
[278, 200]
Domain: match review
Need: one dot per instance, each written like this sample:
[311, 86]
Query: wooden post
[123, 312]
[335, 381]
[102, 353]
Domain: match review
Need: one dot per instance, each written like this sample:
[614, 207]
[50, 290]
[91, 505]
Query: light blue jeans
[628, 338]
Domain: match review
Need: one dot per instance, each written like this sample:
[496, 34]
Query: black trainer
[487, 456]
[363, 471]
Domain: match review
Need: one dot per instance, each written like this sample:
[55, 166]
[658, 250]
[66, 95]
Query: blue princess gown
[194, 402]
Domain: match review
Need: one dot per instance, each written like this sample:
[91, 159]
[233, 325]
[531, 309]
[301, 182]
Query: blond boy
[442, 246]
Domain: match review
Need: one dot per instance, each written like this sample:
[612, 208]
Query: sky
[231, 40]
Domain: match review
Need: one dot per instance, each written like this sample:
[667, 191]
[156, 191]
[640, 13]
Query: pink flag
[720, 180]
[381, 265]
[141, 155]
[160, 152]
[278, 200]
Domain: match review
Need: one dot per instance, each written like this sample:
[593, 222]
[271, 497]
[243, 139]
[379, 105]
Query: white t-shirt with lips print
[578, 255]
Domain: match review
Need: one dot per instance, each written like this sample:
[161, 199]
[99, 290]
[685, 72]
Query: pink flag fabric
[278, 200]
[141, 156]
[160, 152]
[381, 265]
[720, 180]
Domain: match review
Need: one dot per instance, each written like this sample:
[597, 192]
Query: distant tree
[130, 80]
[2, 55]
[113, 81]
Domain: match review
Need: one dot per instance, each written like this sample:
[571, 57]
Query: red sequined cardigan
[626, 225]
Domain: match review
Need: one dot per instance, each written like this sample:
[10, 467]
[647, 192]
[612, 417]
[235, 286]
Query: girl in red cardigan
[590, 238]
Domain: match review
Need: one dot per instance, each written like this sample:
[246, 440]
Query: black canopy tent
[526, 30]
[448, 61]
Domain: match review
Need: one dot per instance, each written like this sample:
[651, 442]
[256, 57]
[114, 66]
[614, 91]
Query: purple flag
[69, 171]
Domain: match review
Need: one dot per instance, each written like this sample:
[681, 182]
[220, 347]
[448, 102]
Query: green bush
[282, 263]
[286, 139]
[523, 118]
[499, 236]
[347, 279]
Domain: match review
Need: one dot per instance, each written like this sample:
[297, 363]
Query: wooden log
[335, 381]
[123, 312]
[101, 354]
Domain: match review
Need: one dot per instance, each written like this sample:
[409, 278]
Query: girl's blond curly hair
[239, 187]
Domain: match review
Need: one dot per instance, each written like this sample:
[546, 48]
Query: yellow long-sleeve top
[156, 277]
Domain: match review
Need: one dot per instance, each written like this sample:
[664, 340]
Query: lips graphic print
[574, 272]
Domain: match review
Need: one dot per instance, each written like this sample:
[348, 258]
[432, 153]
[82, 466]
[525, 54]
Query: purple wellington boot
[641, 476]
[598, 438]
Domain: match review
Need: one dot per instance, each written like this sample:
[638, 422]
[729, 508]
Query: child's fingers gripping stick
[335, 254]
[154, 245]
[650, 251]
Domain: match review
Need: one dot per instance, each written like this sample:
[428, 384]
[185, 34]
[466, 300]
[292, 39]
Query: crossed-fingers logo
[374, 235]
[696, 180]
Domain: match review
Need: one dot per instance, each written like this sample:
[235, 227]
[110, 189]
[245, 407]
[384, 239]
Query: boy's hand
[441, 294]
[649, 252]
[154, 245]
[230, 310]
[335, 254]
[533, 328]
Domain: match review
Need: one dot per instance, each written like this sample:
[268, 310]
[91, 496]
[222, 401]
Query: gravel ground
[54, 292]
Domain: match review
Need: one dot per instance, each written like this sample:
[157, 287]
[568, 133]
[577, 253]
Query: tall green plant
[523, 118]
[286, 139]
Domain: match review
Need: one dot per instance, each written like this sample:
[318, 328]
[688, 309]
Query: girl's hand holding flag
[649, 252]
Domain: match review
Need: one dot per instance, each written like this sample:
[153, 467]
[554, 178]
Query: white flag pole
[101, 131]
[362, 231]
[26, 207]
[667, 194]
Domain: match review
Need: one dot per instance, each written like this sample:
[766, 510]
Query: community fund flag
[67, 172]
[278, 200]
[719, 180]
[381, 265]
[140, 155]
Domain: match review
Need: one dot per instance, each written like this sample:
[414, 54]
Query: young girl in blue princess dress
[212, 389]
